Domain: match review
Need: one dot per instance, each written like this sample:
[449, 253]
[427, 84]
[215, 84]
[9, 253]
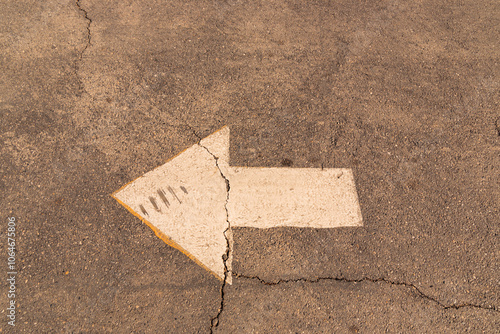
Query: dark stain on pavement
[286, 162]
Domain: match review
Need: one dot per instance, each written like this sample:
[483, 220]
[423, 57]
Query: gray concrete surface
[93, 94]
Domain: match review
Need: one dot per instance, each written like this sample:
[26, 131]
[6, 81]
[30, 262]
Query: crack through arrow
[215, 320]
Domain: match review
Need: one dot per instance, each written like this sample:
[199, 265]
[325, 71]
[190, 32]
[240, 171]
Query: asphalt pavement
[94, 94]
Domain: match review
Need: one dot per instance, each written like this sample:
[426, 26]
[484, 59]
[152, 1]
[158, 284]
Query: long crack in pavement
[87, 44]
[373, 280]
[89, 34]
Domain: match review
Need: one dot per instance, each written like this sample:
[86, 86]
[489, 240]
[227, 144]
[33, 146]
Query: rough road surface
[93, 94]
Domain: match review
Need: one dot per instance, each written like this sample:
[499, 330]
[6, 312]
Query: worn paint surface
[298, 197]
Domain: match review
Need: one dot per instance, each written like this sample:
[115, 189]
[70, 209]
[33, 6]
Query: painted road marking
[295, 197]
[192, 215]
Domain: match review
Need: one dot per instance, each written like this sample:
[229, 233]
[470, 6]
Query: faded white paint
[193, 207]
[295, 197]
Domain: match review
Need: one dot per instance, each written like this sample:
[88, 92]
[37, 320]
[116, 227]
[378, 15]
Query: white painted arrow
[188, 204]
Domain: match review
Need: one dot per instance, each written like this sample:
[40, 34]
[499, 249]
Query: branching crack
[87, 44]
[373, 280]
[215, 320]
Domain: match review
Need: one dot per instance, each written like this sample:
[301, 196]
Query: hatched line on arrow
[161, 193]
[174, 194]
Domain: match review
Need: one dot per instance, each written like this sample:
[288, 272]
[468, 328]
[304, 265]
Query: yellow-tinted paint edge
[166, 238]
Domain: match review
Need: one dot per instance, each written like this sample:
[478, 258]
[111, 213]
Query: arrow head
[184, 200]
